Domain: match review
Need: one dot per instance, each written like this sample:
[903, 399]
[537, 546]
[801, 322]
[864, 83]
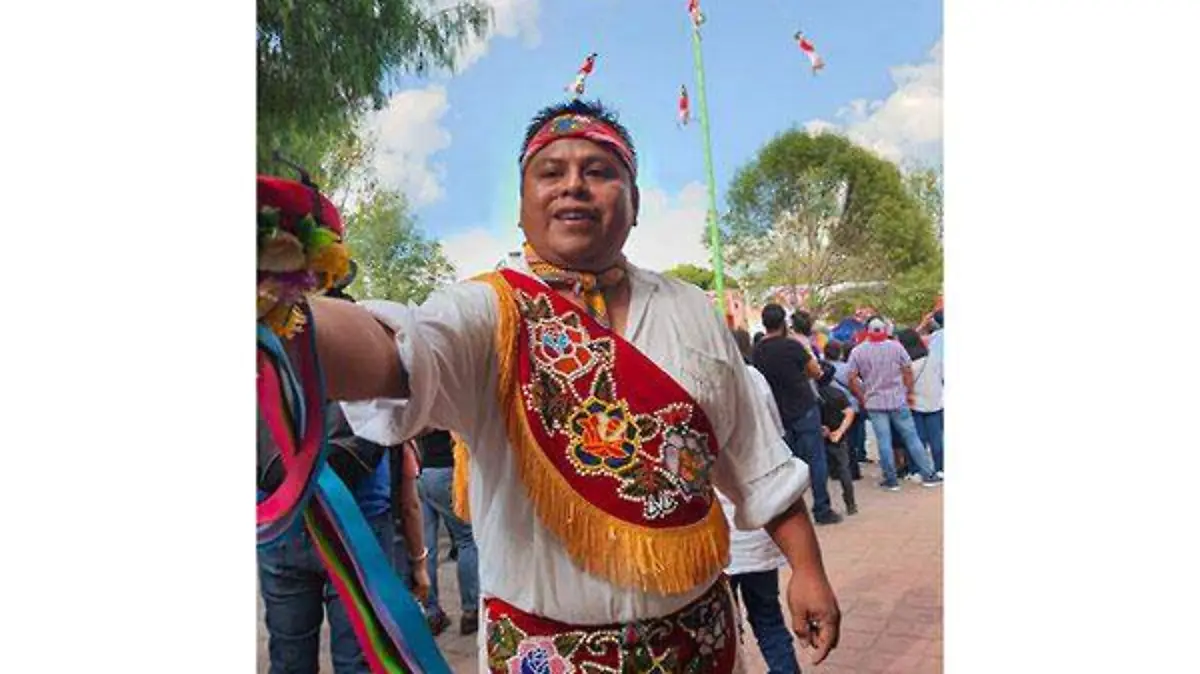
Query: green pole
[714, 231]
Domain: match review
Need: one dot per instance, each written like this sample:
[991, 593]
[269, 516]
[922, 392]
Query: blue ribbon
[394, 605]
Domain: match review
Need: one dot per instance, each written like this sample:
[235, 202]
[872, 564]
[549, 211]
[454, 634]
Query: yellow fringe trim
[462, 473]
[663, 561]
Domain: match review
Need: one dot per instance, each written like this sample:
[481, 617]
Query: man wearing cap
[602, 403]
[881, 372]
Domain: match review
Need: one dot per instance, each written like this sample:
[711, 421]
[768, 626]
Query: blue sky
[450, 141]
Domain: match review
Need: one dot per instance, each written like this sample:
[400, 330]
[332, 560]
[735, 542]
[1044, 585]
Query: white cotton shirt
[752, 551]
[446, 346]
[928, 383]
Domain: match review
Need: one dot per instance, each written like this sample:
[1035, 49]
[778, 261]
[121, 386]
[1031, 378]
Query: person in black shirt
[788, 366]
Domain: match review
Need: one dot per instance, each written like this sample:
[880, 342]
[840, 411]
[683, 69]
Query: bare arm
[410, 510]
[811, 368]
[358, 353]
[907, 375]
[856, 388]
[793, 533]
[816, 618]
[847, 422]
[412, 522]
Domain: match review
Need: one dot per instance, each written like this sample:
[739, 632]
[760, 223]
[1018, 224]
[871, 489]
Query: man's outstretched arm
[358, 353]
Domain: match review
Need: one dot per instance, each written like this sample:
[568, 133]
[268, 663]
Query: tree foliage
[925, 185]
[700, 276]
[819, 212]
[395, 259]
[321, 63]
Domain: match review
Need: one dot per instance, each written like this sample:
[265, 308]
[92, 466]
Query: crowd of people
[627, 480]
[891, 379]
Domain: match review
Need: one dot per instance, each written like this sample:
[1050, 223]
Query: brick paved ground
[885, 565]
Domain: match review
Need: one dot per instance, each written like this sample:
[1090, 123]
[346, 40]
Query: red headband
[580, 126]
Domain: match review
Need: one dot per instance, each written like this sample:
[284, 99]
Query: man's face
[578, 203]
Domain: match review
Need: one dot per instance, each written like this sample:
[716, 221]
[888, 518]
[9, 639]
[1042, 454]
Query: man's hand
[911, 399]
[816, 618]
[835, 437]
[420, 582]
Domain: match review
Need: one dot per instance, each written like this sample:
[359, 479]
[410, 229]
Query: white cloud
[409, 130]
[669, 232]
[907, 125]
[510, 19]
[409, 133]
[670, 229]
[477, 250]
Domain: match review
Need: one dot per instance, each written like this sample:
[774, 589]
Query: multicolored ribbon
[278, 513]
[390, 625]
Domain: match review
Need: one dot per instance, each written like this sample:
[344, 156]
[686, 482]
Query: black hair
[758, 337]
[828, 371]
[912, 343]
[772, 317]
[743, 342]
[593, 109]
[802, 322]
[833, 350]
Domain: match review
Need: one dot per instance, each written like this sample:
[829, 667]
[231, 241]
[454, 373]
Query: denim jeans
[882, 421]
[437, 506]
[930, 428]
[760, 592]
[803, 436]
[297, 594]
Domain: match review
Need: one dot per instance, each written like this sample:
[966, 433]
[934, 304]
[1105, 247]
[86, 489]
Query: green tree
[911, 294]
[322, 63]
[699, 276]
[820, 212]
[395, 259]
[925, 185]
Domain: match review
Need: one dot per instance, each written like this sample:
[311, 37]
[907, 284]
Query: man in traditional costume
[601, 404]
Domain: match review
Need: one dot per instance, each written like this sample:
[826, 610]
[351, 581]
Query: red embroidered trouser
[700, 638]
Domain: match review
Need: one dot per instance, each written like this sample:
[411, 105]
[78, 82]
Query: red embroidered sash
[615, 455]
[699, 639]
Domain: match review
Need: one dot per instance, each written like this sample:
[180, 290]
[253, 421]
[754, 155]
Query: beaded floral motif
[692, 641]
[572, 392]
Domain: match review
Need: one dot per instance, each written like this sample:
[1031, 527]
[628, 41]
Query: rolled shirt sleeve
[445, 346]
[755, 468]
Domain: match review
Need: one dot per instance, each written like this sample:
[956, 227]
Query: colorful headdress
[573, 125]
[300, 250]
